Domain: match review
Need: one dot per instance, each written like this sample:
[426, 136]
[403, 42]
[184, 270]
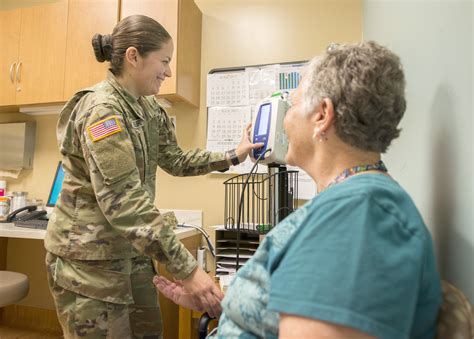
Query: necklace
[378, 166]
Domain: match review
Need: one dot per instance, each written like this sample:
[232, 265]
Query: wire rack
[266, 200]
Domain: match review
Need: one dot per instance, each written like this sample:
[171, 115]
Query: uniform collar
[132, 101]
[119, 88]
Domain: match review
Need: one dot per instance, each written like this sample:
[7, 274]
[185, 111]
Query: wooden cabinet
[86, 18]
[31, 73]
[33, 42]
[9, 37]
[183, 20]
[47, 53]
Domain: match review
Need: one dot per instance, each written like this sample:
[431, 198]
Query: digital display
[57, 185]
[264, 116]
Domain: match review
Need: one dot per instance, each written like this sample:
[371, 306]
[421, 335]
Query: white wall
[433, 158]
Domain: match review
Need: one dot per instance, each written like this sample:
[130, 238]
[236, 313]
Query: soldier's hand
[246, 145]
[204, 292]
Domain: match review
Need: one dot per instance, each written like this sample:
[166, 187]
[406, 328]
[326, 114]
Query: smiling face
[153, 69]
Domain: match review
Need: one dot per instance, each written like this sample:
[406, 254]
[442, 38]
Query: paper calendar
[227, 89]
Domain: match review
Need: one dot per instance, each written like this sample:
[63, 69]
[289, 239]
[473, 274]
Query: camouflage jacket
[111, 145]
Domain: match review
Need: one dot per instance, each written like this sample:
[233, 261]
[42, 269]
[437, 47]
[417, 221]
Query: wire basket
[266, 200]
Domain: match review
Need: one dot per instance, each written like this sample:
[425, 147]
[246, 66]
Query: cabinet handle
[18, 72]
[12, 67]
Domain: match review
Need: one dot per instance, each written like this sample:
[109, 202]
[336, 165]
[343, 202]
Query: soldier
[105, 229]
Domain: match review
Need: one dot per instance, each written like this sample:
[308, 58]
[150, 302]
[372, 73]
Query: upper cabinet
[9, 37]
[85, 19]
[47, 50]
[183, 20]
[33, 41]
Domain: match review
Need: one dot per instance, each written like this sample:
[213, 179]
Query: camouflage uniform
[105, 228]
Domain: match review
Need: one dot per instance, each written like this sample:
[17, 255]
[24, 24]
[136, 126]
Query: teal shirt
[358, 255]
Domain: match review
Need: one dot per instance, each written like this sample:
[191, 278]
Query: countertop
[8, 230]
[194, 217]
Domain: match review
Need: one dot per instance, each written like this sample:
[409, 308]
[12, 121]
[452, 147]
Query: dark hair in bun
[139, 31]
[102, 45]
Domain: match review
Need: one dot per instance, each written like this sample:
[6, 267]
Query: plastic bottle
[4, 208]
[3, 188]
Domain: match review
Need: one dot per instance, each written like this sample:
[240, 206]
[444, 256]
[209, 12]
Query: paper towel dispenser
[17, 142]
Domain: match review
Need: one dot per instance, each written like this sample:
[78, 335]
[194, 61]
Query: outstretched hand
[246, 145]
[175, 292]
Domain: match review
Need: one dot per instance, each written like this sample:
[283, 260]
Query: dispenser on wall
[18, 145]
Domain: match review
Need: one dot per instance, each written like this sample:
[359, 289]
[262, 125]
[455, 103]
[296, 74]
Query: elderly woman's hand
[201, 291]
[175, 292]
[246, 145]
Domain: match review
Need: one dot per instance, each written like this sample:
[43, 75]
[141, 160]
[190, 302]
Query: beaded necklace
[378, 166]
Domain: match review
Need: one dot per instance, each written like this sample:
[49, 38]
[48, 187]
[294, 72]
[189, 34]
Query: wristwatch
[234, 159]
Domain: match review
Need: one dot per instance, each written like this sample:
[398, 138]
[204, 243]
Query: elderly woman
[357, 260]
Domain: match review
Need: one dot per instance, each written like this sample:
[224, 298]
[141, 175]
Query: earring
[321, 135]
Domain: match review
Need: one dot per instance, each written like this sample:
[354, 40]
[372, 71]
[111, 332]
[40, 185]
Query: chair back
[455, 318]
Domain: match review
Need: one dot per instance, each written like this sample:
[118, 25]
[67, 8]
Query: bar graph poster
[289, 77]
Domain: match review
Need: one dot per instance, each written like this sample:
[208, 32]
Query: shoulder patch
[104, 128]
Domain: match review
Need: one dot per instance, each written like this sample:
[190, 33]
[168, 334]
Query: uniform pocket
[153, 127]
[113, 154]
[140, 146]
[108, 281]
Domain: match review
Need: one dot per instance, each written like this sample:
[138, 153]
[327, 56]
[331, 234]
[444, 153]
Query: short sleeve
[352, 263]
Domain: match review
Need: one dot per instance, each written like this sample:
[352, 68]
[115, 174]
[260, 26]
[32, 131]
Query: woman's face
[299, 130]
[154, 69]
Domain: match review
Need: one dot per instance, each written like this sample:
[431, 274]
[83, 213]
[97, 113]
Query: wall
[235, 33]
[433, 158]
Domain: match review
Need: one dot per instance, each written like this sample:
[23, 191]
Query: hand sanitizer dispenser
[17, 142]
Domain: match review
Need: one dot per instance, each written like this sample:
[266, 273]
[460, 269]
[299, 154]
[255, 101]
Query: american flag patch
[104, 128]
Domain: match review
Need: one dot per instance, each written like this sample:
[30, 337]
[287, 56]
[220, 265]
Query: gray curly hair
[366, 85]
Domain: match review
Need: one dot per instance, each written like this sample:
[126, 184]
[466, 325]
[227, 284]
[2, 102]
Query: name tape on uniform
[104, 128]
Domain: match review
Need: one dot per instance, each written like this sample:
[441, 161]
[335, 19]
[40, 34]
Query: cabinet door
[166, 13]
[9, 37]
[42, 53]
[85, 19]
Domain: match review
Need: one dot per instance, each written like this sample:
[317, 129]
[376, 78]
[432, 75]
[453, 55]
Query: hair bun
[102, 45]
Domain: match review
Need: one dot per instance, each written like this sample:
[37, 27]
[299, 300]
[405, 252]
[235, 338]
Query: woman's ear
[131, 56]
[326, 114]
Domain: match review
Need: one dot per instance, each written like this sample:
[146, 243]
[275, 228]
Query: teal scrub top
[358, 255]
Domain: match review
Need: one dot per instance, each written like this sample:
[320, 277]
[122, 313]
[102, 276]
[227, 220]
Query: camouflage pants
[105, 299]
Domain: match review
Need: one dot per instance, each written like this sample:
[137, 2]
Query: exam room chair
[204, 325]
[455, 317]
[13, 287]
